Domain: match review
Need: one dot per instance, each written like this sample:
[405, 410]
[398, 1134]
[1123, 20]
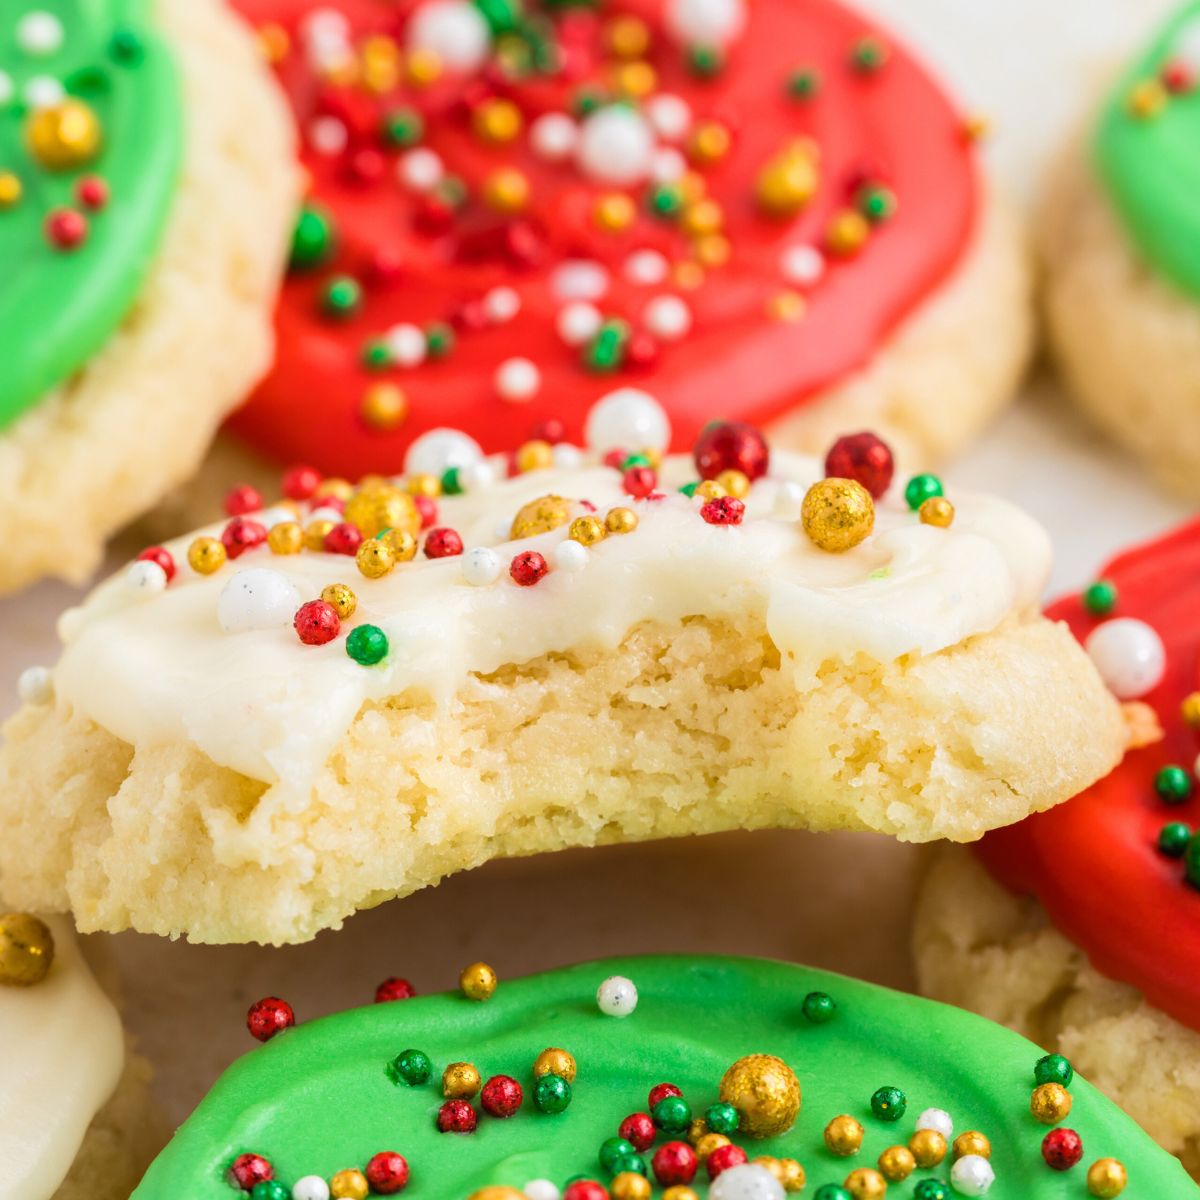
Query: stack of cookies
[593, 366]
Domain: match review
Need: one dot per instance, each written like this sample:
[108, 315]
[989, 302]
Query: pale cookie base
[138, 418]
[686, 728]
[123, 1138]
[936, 383]
[980, 947]
[1126, 341]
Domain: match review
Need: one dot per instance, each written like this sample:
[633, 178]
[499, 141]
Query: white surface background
[1032, 66]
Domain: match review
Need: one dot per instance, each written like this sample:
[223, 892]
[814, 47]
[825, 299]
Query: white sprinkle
[476, 476]
[667, 317]
[616, 146]
[617, 996]
[626, 419]
[145, 577]
[406, 345]
[257, 598]
[802, 265]
[480, 566]
[454, 30]
[553, 137]
[311, 1187]
[705, 22]
[324, 24]
[35, 685]
[44, 91]
[578, 323]
[328, 136]
[746, 1181]
[501, 304]
[937, 1119]
[567, 457]
[579, 279]
[972, 1175]
[646, 267]
[1129, 655]
[420, 170]
[39, 33]
[541, 1189]
[326, 513]
[517, 380]
[669, 166]
[435, 452]
[569, 556]
[670, 116]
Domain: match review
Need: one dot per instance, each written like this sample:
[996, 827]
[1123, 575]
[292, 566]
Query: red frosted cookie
[1104, 960]
[767, 211]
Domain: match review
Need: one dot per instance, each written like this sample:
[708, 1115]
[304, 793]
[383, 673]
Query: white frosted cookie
[145, 214]
[75, 1116]
[1118, 236]
[592, 649]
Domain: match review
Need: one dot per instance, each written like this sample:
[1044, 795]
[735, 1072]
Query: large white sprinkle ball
[1129, 655]
[617, 996]
[627, 419]
[257, 598]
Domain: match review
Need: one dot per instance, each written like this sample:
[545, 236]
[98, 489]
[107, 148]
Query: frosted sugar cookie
[732, 1078]
[257, 729]
[145, 197]
[769, 212]
[75, 1114]
[1119, 236]
[1081, 927]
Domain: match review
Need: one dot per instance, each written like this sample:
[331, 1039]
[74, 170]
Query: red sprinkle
[394, 988]
[724, 1157]
[242, 500]
[724, 510]
[92, 192]
[614, 459]
[299, 483]
[552, 430]
[864, 458]
[66, 228]
[387, 1172]
[443, 543]
[675, 1164]
[501, 1096]
[527, 568]
[660, 1092]
[1062, 1149]
[317, 623]
[249, 1169]
[343, 538]
[639, 482]
[269, 1016]
[162, 556]
[585, 1189]
[427, 507]
[241, 535]
[456, 1116]
[731, 446]
[641, 351]
[639, 1129]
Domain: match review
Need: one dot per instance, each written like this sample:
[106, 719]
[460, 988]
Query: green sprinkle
[612, 1150]
[630, 1162]
[666, 201]
[1191, 862]
[1173, 839]
[832, 1191]
[403, 127]
[439, 339]
[586, 100]
[877, 204]
[722, 1118]
[672, 1114]
[312, 238]
[270, 1189]
[367, 645]
[1173, 784]
[126, 46]
[1053, 1068]
[689, 489]
[412, 1067]
[1100, 598]
[889, 1103]
[551, 1094]
[705, 61]
[452, 482]
[375, 355]
[341, 297]
[921, 488]
[868, 55]
[932, 1189]
[819, 1008]
[606, 351]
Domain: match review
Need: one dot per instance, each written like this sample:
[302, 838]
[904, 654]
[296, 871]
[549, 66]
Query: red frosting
[1093, 862]
[892, 126]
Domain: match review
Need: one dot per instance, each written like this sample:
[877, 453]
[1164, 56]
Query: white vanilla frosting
[62, 1055]
[155, 668]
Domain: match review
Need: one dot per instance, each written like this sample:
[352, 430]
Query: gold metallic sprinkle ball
[460, 1081]
[936, 511]
[349, 1185]
[63, 136]
[540, 516]
[553, 1061]
[497, 1191]
[629, 1185]
[766, 1093]
[1106, 1178]
[866, 1184]
[478, 981]
[928, 1147]
[26, 949]
[793, 1175]
[899, 1162]
[1050, 1103]
[843, 1136]
[837, 514]
[972, 1142]
[705, 1145]
[679, 1192]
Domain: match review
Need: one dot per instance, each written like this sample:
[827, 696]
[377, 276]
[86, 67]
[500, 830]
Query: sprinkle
[367, 645]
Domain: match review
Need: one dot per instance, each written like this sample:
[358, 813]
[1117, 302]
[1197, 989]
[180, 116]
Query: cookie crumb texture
[689, 727]
[980, 946]
[136, 420]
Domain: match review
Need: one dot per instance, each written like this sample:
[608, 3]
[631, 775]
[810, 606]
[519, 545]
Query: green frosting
[1150, 164]
[59, 307]
[318, 1098]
